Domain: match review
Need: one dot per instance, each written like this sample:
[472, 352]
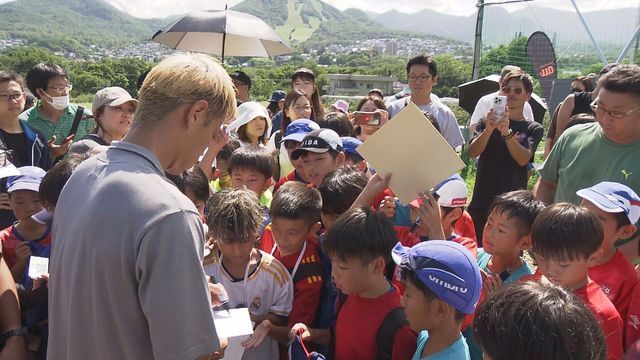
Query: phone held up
[366, 118]
[499, 105]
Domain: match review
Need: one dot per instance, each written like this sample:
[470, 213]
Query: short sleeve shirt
[583, 157]
[485, 104]
[456, 351]
[127, 280]
[60, 129]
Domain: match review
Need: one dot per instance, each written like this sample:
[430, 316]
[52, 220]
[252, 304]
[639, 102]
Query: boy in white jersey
[252, 278]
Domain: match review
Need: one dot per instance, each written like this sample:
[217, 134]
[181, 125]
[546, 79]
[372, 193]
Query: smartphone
[366, 118]
[499, 104]
[504, 275]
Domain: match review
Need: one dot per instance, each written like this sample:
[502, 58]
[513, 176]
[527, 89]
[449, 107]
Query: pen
[223, 297]
[415, 225]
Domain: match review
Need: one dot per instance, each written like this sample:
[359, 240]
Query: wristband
[21, 331]
[508, 136]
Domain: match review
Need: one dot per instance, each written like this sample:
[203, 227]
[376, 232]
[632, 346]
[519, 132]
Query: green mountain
[73, 25]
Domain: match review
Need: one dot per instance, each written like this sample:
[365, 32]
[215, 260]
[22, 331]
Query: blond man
[126, 279]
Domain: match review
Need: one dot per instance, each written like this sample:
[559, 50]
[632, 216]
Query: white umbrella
[224, 33]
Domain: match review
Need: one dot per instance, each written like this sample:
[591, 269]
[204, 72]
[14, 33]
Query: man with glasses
[20, 145]
[422, 74]
[53, 114]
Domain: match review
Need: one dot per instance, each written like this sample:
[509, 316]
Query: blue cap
[298, 129]
[446, 268]
[277, 96]
[613, 197]
[349, 145]
[29, 179]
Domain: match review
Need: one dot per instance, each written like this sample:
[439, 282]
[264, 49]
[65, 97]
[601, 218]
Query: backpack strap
[76, 121]
[393, 321]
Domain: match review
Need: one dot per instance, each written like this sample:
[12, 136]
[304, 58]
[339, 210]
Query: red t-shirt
[607, 315]
[617, 278]
[357, 326]
[267, 243]
[632, 327]
[307, 283]
[378, 199]
[464, 226]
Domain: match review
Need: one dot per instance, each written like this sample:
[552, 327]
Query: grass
[295, 28]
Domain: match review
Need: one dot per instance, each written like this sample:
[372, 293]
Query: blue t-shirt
[456, 351]
[524, 269]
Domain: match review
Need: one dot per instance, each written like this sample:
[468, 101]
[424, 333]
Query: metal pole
[628, 46]
[593, 39]
[634, 54]
[477, 46]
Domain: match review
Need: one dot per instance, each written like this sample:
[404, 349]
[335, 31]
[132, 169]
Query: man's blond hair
[184, 79]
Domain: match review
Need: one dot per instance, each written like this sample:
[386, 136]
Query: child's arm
[216, 144]
[375, 186]
[22, 256]
[278, 333]
[318, 336]
[273, 318]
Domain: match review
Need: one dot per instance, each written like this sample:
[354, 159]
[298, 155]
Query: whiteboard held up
[412, 149]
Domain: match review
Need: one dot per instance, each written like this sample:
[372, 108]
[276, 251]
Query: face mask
[59, 102]
[225, 180]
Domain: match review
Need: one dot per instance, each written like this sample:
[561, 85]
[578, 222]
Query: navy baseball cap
[298, 129]
[242, 77]
[277, 95]
[613, 197]
[29, 179]
[350, 144]
[446, 268]
[318, 141]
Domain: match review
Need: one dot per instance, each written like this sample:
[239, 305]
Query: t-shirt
[607, 316]
[485, 104]
[357, 326]
[126, 268]
[446, 119]
[307, 283]
[283, 157]
[497, 171]
[632, 326]
[18, 145]
[292, 176]
[456, 351]
[523, 270]
[11, 238]
[583, 157]
[617, 278]
[61, 128]
[267, 289]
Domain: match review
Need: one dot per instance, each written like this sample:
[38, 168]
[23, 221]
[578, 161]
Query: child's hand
[22, 252]
[490, 283]
[219, 140]
[40, 281]
[4, 202]
[299, 329]
[259, 333]
[388, 206]
[377, 184]
[430, 217]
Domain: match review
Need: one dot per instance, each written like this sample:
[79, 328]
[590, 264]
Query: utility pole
[477, 45]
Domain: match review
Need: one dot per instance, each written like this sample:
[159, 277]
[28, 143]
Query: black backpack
[394, 320]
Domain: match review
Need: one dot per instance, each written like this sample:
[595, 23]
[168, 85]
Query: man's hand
[218, 293]
[4, 202]
[219, 354]
[60, 150]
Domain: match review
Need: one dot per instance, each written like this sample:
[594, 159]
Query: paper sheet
[412, 150]
[236, 326]
[38, 266]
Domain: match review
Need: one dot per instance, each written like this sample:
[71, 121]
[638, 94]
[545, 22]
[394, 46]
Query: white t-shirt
[485, 104]
[268, 289]
[446, 119]
[286, 167]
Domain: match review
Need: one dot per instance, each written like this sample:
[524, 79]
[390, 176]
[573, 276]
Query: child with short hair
[194, 184]
[321, 152]
[618, 209]
[567, 241]
[339, 189]
[358, 270]
[295, 215]
[532, 321]
[351, 156]
[252, 278]
[26, 237]
[442, 284]
[293, 136]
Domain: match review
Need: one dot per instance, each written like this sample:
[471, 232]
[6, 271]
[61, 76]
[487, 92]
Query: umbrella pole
[224, 39]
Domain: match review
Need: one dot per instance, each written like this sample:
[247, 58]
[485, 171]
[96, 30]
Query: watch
[508, 136]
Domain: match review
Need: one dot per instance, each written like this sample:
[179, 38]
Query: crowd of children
[302, 232]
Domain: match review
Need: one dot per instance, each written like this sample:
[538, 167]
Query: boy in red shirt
[567, 241]
[618, 209]
[359, 244]
[295, 215]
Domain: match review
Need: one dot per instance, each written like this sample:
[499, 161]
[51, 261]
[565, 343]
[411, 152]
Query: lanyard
[295, 267]
[244, 280]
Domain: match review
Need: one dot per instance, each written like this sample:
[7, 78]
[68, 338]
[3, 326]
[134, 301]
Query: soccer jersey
[516, 274]
[10, 239]
[616, 278]
[268, 289]
[292, 176]
[632, 326]
[357, 326]
[456, 351]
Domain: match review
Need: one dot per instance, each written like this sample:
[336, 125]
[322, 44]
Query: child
[567, 240]
[26, 237]
[442, 284]
[295, 215]
[321, 153]
[339, 189]
[531, 321]
[618, 209]
[252, 124]
[221, 179]
[252, 278]
[193, 183]
[293, 136]
[251, 167]
[352, 157]
[359, 244]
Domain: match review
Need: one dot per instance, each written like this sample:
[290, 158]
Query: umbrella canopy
[472, 91]
[224, 33]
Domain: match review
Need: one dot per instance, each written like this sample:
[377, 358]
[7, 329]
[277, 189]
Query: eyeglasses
[517, 91]
[614, 114]
[10, 97]
[291, 145]
[61, 89]
[302, 108]
[422, 78]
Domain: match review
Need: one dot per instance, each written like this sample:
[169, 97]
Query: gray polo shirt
[126, 265]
